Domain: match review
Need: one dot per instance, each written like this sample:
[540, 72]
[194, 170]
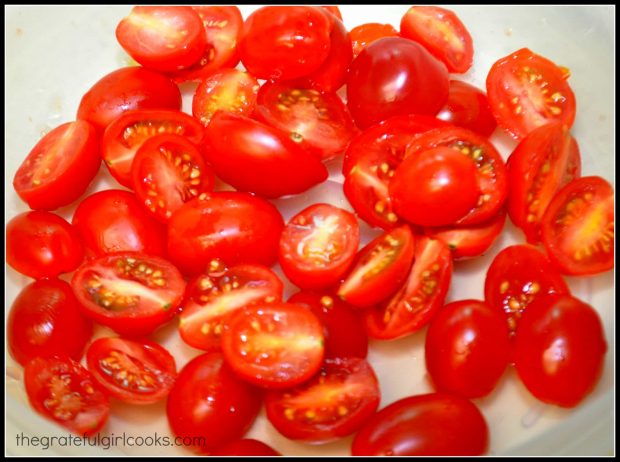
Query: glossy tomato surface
[246, 447]
[365, 34]
[468, 107]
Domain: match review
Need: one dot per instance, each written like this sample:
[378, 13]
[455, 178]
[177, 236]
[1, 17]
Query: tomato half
[333, 9]
[60, 167]
[274, 345]
[130, 293]
[246, 447]
[468, 107]
[365, 34]
[337, 402]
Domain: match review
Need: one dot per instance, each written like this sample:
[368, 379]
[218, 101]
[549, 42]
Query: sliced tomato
[365, 34]
[578, 227]
[246, 447]
[337, 402]
[468, 107]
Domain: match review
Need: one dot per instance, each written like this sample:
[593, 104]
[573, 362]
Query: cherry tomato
[246, 447]
[212, 296]
[559, 349]
[467, 348]
[254, 157]
[114, 221]
[137, 372]
[163, 38]
[380, 268]
[225, 225]
[435, 424]
[337, 402]
[130, 293]
[45, 321]
[168, 171]
[578, 227]
[468, 107]
[63, 391]
[318, 246]
[210, 404]
[413, 306]
[41, 244]
[127, 89]
[333, 9]
[518, 275]
[274, 345]
[395, 76]
[60, 167]
[365, 34]
[527, 91]
[285, 42]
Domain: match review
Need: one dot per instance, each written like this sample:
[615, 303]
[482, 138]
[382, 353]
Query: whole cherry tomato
[468, 107]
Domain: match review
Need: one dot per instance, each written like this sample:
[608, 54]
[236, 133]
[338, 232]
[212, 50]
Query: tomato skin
[365, 34]
[45, 321]
[333, 9]
[71, 153]
[254, 157]
[435, 424]
[467, 348]
[395, 63]
[560, 349]
[41, 244]
[468, 107]
[209, 402]
[246, 447]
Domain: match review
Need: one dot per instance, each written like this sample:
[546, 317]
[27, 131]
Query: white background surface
[54, 54]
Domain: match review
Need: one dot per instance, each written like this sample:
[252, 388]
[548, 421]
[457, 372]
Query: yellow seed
[504, 286]
[513, 304]
[380, 207]
[159, 282]
[342, 411]
[218, 329]
[310, 414]
[289, 413]
[206, 284]
[205, 329]
[327, 301]
[555, 110]
[384, 167]
[391, 217]
[534, 288]
[195, 173]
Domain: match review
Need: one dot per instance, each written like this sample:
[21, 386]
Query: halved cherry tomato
[45, 320]
[333, 9]
[63, 391]
[134, 371]
[442, 33]
[380, 268]
[560, 349]
[224, 225]
[318, 246]
[543, 162]
[255, 157]
[420, 297]
[163, 38]
[337, 402]
[60, 167]
[365, 34]
[127, 133]
[130, 293]
[246, 447]
[468, 107]
[527, 91]
[319, 121]
[212, 296]
[578, 227]
[274, 345]
[168, 171]
[518, 275]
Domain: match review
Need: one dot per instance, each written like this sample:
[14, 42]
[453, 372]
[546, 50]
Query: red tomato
[442, 33]
[41, 244]
[559, 349]
[468, 107]
[413, 306]
[318, 246]
[578, 227]
[337, 402]
[467, 348]
[114, 221]
[45, 321]
[209, 404]
[127, 89]
[436, 424]
[168, 171]
[212, 296]
[273, 346]
[380, 268]
[519, 275]
[254, 157]
[130, 293]
[435, 187]
[343, 328]
[127, 133]
[60, 167]
[246, 447]
[365, 34]
[137, 372]
[543, 162]
[163, 38]
[333, 10]
[318, 121]
[63, 391]
[527, 91]
[395, 76]
[225, 225]
[285, 42]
